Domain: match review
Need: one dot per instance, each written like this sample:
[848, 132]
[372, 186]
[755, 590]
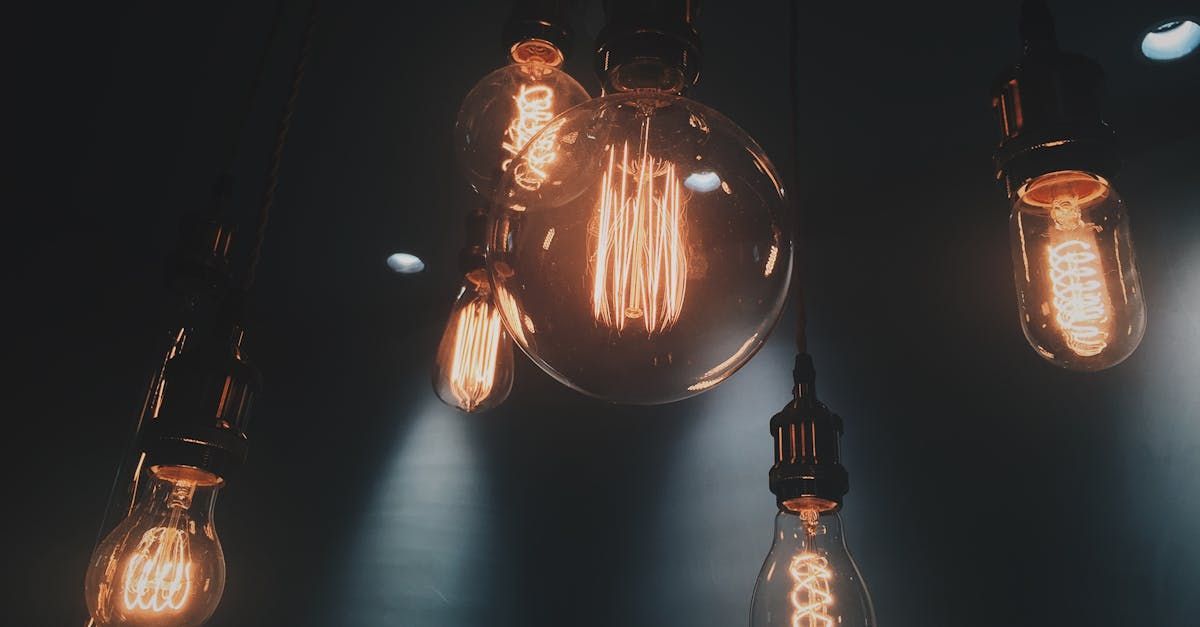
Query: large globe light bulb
[649, 262]
[508, 107]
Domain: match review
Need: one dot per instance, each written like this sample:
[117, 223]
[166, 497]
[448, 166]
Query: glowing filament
[476, 345]
[158, 577]
[1078, 296]
[535, 107]
[640, 258]
[810, 595]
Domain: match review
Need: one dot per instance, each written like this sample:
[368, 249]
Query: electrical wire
[798, 249]
[223, 187]
[281, 136]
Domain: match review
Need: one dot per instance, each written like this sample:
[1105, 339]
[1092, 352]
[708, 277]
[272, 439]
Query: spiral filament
[535, 107]
[810, 590]
[477, 338]
[1075, 280]
[158, 577]
[640, 259]
[1078, 296]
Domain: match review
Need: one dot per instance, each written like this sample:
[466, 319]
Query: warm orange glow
[640, 257]
[811, 576]
[810, 590]
[771, 259]
[1080, 297]
[508, 305]
[158, 576]
[477, 338]
[535, 107]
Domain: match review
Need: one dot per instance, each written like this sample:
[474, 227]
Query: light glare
[702, 181]
[405, 263]
[1171, 40]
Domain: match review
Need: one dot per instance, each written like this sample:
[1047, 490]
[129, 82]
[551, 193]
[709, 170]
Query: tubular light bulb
[1078, 289]
[809, 578]
[505, 109]
[650, 263]
[163, 564]
[474, 369]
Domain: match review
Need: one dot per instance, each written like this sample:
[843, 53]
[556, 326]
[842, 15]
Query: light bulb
[1078, 289]
[505, 109]
[809, 578]
[650, 263]
[162, 565]
[474, 369]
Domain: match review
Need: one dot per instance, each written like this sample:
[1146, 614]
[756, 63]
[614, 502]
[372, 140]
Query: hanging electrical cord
[798, 250]
[822, 584]
[281, 135]
[223, 187]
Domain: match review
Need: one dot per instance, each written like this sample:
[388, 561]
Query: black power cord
[281, 136]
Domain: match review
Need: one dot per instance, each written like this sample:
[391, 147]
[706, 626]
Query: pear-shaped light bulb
[162, 566]
[809, 578]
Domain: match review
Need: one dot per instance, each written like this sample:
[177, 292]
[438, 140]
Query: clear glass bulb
[1078, 289]
[474, 369]
[650, 263]
[507, 108]
[163, 565]
[809, 578]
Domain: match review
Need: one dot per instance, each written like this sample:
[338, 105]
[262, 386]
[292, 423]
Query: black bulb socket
[808, 473]
[649, 45]
[538, 21]
[1048, 110]
[207, 392]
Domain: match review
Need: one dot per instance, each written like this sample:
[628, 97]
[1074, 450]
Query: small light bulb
[1078, 289]
[163, 564]
[474, 369]
[506, 108]
[809, 578]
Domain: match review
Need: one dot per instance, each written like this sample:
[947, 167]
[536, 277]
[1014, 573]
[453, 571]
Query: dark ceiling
[989, 488]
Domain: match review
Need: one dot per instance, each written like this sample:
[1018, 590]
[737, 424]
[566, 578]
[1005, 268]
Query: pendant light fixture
[809, 578]
[648, 264]
[162, 564]
[1078, 291]
[474, 367]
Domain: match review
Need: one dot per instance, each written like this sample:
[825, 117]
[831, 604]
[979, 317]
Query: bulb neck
[181, 489]
[808, 474]
[808, 524]
[538, 31]
[1048, 110]
[649, 45]
[472, 257]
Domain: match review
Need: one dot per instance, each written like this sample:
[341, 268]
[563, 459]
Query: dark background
[989, 488]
